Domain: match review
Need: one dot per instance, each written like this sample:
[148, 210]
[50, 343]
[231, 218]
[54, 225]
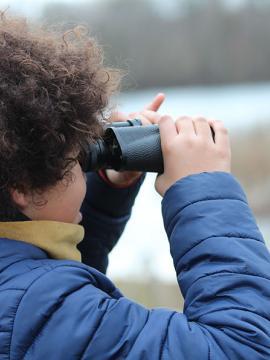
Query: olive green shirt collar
[58, 239]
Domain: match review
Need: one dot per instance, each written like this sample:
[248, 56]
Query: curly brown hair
[54, 92]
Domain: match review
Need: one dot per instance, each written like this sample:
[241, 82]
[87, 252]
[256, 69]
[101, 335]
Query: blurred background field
[210, 57]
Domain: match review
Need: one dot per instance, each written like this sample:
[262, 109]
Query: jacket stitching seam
[231, 308]
[10, 289]
[218, 273]
[11, 332]
[15, 262]
[227, 272]
[20, 304]
[94, 331]
[139, 333]
[40, 276]
[230, 236]
[165, 337]
[178, 212]
[203, 330]
[46, 322]
[213, 199]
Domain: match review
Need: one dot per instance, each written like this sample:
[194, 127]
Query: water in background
[238, 106]
[143, 250]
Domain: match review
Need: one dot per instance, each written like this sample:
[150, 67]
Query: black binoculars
[127, 146]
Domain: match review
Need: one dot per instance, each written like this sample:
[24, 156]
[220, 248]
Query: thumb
[160, 184]
[167, 131]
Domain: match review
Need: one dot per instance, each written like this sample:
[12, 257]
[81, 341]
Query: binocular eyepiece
[127, 146]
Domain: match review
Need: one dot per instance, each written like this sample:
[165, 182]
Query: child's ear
[20, 198]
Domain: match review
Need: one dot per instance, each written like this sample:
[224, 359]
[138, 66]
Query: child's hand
[188, 148]
[147, 116]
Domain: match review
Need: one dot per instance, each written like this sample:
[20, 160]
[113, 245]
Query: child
[53, 306]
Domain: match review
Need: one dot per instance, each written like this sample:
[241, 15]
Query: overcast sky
[34, 7]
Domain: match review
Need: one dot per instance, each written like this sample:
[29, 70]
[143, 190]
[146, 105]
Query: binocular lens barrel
[127, 146]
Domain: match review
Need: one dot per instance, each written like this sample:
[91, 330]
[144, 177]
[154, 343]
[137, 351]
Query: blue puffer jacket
[60, 309]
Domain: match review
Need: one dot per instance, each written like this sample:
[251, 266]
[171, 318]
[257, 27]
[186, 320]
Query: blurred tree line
[250, 164]
[201, 42]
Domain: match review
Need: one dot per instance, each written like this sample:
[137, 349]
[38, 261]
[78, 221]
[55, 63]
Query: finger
[144, 120]
[167, 131]
[185, 125]
[152, 116]
[202, 128]
[156, 103]
[221, 134]
[134, 115]
[118, 116]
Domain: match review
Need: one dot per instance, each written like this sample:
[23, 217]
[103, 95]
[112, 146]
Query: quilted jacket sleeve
[106, 210]
[223, 269]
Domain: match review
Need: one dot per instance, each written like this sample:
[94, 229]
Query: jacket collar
[58, 239]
